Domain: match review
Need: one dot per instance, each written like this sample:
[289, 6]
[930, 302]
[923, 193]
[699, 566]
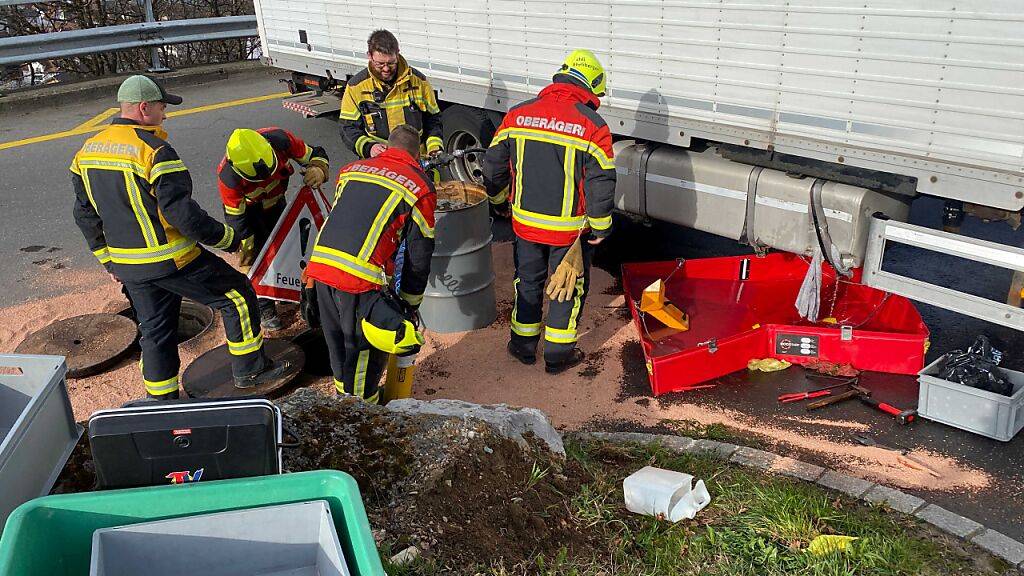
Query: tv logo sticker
[185, 476]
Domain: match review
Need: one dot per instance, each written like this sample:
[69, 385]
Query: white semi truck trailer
[795, 125]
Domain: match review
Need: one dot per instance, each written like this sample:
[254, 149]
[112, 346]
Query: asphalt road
[36, 201]
[39, 241]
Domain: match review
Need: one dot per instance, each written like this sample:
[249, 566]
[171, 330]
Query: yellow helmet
[405, 340]
[388, 324]
[250, 155]
[584, 67]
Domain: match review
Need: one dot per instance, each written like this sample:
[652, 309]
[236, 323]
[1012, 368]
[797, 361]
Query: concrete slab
[1001, 545]
[949, 522]
[895, 499]
[846, 484]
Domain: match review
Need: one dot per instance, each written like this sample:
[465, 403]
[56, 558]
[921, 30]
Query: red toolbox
[742, 307]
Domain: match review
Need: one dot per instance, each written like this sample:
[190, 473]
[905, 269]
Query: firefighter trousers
[262, 224]
[207, 280]
[356, 365]
[533, 263]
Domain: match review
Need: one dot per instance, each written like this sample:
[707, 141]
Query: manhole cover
[194, 319]
[209, 376]
[91, 343]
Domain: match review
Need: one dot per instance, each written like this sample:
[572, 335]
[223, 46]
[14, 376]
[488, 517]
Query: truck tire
[466, 127]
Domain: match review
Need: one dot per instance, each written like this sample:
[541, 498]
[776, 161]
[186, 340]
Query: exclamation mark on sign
[304, 225]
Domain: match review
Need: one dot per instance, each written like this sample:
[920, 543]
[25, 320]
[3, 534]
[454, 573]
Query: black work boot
[269, 320]
[522, 353]
[573, 359]
[271, 372]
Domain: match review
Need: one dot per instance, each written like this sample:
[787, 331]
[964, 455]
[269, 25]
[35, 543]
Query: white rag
[808, 300]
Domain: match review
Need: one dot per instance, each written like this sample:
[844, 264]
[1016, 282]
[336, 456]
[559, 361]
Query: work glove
[562, 284]
[309, 309]
[246, 253]
[316, 174]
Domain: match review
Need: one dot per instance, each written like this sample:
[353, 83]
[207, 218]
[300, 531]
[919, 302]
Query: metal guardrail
[35, 47]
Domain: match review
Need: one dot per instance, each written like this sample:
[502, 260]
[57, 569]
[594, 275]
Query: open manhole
[318, 361]
[194, 319]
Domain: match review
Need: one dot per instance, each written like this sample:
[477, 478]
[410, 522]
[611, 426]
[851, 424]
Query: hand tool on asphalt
[902, 416]
[816, 393]
[854, 392]
[903, 458]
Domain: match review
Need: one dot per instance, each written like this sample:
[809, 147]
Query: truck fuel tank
[755, 205]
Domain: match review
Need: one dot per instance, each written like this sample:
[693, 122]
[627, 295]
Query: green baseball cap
[141, 88]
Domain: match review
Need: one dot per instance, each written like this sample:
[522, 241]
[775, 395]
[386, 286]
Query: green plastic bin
[52, 536]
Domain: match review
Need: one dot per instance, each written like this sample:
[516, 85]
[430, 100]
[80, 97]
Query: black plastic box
[153, 444]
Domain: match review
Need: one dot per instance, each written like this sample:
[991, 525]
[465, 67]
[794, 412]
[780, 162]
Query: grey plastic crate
[288, 540]
[971, 409]
[37, 428]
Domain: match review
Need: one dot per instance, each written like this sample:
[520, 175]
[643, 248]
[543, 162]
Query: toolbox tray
[742, 307]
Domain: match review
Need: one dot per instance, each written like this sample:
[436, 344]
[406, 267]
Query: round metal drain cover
[209, 376]
[91, 343]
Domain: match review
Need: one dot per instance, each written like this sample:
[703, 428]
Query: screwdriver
[816, 393]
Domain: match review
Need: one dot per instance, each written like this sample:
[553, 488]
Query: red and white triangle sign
[277, 271]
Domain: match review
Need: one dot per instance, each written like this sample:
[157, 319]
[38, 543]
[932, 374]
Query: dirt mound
[449, 486]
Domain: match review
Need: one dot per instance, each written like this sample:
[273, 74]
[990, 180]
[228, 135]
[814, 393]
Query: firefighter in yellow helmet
[551, 160]
[134, 206]
[253, 178]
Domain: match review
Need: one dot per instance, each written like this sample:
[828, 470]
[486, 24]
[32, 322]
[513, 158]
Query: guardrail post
[154, 51]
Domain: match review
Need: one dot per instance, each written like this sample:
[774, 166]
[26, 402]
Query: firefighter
[388, 93]
[133, 203]
[379, 203]
[551, 160]
[253, 178]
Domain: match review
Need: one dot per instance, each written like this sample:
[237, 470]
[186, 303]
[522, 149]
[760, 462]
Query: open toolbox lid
[742, 307]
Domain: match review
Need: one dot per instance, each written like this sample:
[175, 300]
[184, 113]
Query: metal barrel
[460, 289]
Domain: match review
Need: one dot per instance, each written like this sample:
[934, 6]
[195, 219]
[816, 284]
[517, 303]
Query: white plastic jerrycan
[664, 493]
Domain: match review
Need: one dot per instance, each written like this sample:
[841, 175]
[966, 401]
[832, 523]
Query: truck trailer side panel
[928, 90]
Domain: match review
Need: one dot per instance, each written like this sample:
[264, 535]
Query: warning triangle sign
[276, 272]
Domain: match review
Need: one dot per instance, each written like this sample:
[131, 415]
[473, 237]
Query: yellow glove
[316, 174]
[562, 284]
[246, 253]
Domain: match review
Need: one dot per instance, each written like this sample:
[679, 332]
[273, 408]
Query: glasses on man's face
[384, 64]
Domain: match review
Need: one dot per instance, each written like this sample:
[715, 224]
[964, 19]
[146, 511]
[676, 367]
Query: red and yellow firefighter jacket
[237, 193]
[370, 109]
[133, 203]
[552, 159]
[378, 203]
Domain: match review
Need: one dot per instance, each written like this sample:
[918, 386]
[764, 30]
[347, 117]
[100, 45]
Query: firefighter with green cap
[133, 204]
[252, 178]
[551, 165]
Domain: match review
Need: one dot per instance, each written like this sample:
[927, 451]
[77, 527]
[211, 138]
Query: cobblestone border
[997, 543]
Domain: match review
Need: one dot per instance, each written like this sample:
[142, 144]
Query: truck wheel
[466, 127]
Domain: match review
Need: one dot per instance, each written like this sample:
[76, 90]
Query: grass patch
[756, 524]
